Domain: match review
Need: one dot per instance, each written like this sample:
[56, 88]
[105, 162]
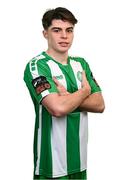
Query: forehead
[61, 24]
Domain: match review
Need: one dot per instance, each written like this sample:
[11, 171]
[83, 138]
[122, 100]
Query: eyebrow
[61, 28]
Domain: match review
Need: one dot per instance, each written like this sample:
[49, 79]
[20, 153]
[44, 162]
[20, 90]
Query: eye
[69, 30]
[56, 30]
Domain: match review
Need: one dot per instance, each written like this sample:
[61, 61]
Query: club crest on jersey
[79, 75]
[40, 84]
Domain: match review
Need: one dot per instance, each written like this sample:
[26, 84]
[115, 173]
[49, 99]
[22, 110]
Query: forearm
[62, 103]
[93, 103]
[71, 101]
[59, 105]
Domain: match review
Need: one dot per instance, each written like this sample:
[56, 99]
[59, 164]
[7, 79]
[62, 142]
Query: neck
[60, 57]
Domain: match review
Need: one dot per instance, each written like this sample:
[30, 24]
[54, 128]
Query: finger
[84, 76]
[84, 80]
[83, 73]
[56, 81]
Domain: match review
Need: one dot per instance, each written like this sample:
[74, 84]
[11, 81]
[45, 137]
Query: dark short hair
[57, 13]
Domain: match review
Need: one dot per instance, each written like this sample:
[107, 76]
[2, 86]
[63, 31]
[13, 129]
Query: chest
[70, 75]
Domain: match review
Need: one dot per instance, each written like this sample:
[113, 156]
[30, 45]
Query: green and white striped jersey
[60, 144]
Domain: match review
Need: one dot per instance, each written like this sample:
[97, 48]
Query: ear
[45, 34]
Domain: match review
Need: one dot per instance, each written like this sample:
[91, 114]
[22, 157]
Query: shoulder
[40, 59]
[78, 59]
[37, 59]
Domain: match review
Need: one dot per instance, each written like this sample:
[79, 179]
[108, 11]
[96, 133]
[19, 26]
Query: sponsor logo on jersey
[59, 77]
[40, 84]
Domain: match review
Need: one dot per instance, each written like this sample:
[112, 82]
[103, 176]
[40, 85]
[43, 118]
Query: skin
[93, 103]
[60, 37]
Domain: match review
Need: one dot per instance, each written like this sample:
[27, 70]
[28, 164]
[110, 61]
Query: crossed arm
[62, 103]
[93, 103]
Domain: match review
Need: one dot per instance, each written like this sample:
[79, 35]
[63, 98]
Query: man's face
[59, 36]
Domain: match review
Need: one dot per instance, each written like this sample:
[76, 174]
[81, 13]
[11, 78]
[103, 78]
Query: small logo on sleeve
[40, 84]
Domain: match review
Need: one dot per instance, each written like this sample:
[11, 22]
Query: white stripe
[45, 93]
[58, 133]
[40, 57]
[39, 142]
[76, 66]
[34, 72]
[56, 71]
[83, 135]
[58, 145]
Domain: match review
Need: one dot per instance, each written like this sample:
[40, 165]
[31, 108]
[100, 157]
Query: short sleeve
[39, 81]
[91, 79]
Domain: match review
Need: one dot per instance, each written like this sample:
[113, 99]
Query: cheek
[52, 38]
[71, 38]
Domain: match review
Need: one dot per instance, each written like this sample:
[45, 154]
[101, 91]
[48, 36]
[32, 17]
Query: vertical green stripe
[73, 149]
[36, 136]
[70, 78]
[46, 154]
[73, 120]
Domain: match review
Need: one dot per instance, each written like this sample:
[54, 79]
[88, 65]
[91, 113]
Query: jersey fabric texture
[80, 175]
[60, 144]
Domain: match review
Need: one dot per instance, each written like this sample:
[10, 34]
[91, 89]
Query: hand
[85, 85]
[60, 87]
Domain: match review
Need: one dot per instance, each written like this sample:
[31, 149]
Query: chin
[63, 50]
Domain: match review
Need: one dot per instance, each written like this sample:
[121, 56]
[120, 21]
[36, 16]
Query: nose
[64, 34]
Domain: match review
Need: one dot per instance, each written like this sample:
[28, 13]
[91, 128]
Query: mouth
[64, 44]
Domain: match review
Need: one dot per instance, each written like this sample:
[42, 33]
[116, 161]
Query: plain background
[99, 39]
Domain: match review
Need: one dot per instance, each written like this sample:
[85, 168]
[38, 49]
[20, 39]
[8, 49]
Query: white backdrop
[99, 39]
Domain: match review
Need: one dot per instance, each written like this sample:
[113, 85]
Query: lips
[64, 44]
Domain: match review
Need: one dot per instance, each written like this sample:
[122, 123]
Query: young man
[63, 90]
